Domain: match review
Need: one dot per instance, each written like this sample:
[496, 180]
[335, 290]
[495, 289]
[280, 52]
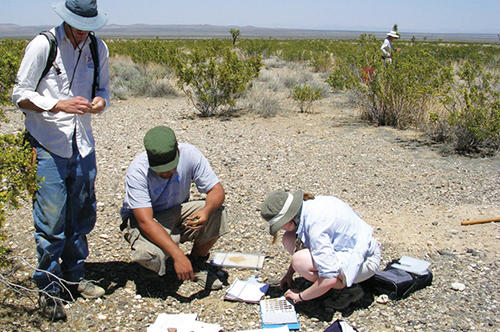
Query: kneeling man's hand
[183, 268]
[197, 220]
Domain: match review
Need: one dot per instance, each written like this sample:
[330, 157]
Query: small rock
[104, 236]
[102, 317]
[383, 299]
[458, 286]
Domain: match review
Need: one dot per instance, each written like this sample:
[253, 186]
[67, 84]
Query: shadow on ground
[115, 275]
[318, 308]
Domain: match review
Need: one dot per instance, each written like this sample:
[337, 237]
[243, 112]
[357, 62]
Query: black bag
[340, 326]
[396, 283]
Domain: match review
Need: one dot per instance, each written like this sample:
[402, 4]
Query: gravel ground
[414, 198]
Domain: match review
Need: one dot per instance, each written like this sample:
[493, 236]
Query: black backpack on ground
[53, 53]
[396, 283]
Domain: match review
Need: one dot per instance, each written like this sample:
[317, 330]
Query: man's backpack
[53, 53]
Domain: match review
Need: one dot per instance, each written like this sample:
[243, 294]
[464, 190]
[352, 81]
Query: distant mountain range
[215, 31]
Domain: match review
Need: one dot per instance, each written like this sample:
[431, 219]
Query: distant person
[157, 214]
[387, 47]
[58, 109]
[331, 246]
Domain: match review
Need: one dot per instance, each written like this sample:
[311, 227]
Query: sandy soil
[414, 197]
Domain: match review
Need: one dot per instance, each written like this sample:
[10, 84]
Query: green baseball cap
[161, 147]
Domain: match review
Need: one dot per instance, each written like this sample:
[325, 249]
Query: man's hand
[197, 220]
[98, 105]
[183, 268]
[75, 105]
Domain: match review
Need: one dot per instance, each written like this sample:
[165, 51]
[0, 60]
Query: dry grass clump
[274, 62]
[131, 79]
[262, 101]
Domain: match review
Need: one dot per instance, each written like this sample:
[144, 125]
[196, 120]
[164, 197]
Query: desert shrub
[322, 62]
[213, 79]
[472, 118]
[17, 167]
[11, 53]
[262, 102]
[305, 96]
[397, 95]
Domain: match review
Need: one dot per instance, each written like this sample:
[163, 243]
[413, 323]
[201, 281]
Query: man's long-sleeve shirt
[55, 131]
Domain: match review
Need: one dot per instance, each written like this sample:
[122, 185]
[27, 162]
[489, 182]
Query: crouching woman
[331, 246]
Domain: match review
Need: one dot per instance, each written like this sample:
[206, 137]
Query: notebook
[238, 259]
[278, 312]
[413, 265]
[249, 290]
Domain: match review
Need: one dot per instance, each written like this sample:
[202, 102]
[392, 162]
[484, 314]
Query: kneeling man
[157, 214]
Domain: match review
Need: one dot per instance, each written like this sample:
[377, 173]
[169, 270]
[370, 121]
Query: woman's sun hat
[393, 34]
[280, 207]
[81, 14]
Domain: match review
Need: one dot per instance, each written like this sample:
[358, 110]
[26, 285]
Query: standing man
[157, 214]
[58, 109]
[387, 48]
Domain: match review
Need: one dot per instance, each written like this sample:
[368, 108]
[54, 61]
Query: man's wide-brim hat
[81, 14]
[393, 34]
[280, 207]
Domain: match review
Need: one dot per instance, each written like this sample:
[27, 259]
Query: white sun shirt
[54, 131]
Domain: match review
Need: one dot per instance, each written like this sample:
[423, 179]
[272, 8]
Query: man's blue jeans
[64, 212]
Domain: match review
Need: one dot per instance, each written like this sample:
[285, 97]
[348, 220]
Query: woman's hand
[293, 296]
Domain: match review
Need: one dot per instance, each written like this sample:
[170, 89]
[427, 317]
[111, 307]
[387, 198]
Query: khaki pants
[151, 256]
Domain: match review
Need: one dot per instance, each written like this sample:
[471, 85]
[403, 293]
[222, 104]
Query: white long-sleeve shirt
[339, 240]
[54, 131]
[387, 48]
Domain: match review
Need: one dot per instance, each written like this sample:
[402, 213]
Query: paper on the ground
[283, 328]
[206, 327]
[277, 311]
[182, 322]
[249, 290]
[411, 264]
[238, 259]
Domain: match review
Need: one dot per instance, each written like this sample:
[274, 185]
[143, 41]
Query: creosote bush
[213, 79]
[305, 95]
[472, 118]
[17, 167]
[396, 95]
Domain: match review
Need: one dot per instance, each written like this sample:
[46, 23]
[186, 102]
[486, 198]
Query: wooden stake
[479, 221]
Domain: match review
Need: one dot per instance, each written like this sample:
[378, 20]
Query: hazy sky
[412, 16]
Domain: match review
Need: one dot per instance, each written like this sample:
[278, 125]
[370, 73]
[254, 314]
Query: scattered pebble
[458, 286]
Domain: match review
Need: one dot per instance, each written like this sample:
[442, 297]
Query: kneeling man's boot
[203, 274]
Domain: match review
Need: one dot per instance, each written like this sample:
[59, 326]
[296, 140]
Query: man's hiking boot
[52, 307]
[343, 298]
[204, 274]
[89, 290]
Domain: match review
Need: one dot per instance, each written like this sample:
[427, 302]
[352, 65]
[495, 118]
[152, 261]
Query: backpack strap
[95, 59]
[52, 54]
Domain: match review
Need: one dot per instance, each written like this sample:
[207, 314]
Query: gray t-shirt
[144, 188]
